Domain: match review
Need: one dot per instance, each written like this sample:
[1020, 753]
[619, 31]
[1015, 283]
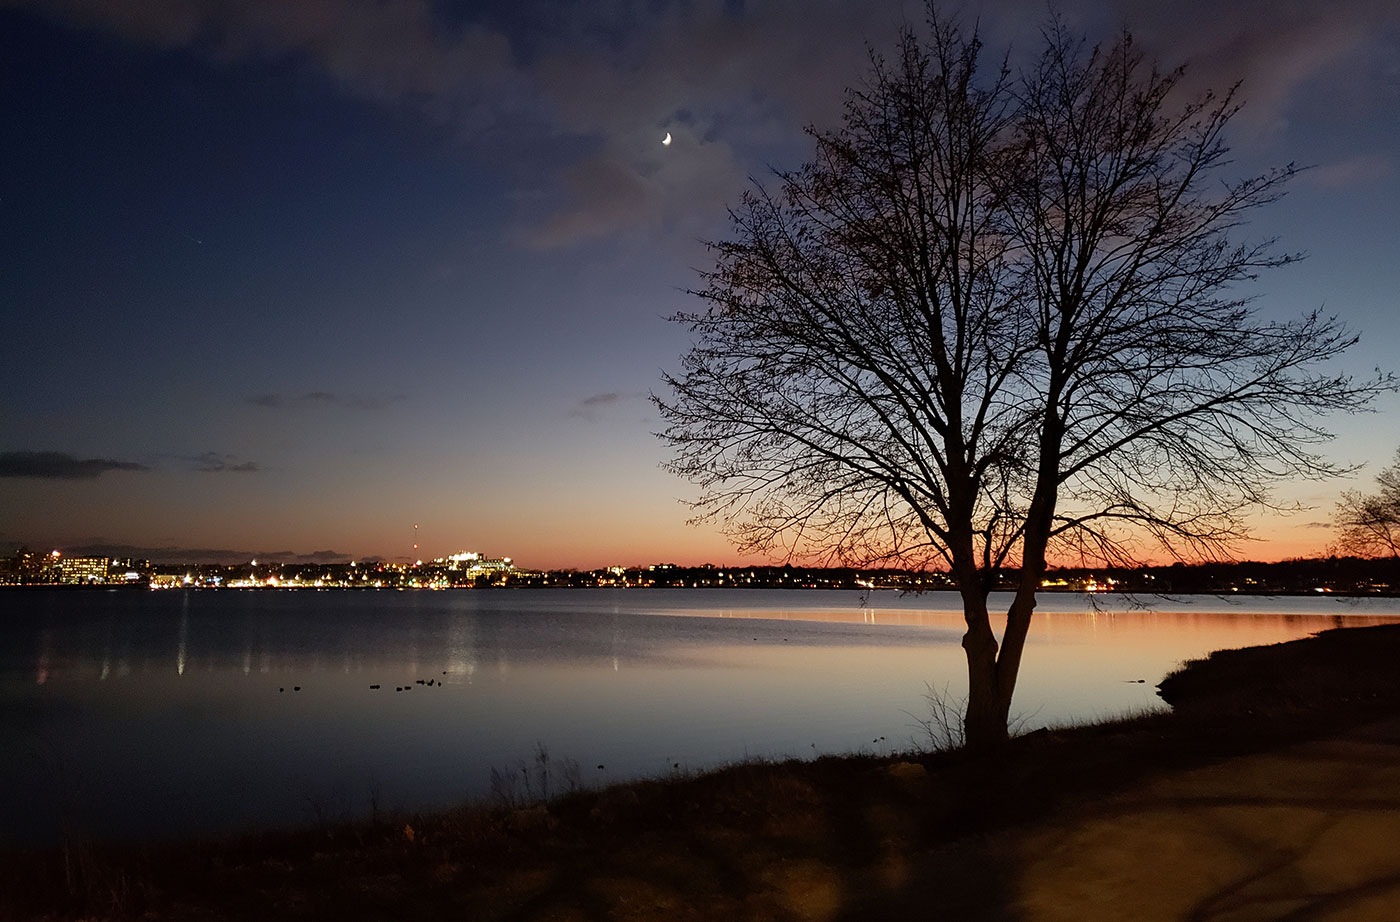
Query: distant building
[28, 568]
[81, 569]
[31, 568]
[472, 561]
[467, 567]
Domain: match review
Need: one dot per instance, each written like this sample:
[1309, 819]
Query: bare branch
[999, 317]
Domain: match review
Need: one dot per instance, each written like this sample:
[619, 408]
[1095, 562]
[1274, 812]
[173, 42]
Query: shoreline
[1049, 590]
[857, 836]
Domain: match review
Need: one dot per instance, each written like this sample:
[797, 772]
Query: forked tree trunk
[984, 723]
[992, 671]
[992, 668]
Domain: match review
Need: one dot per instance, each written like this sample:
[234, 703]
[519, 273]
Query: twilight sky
[292, 277]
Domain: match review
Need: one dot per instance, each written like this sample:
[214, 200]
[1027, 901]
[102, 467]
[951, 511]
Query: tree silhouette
[1370, 523]
[995, 322]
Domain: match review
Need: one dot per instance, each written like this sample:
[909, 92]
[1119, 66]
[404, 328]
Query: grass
[861, 836]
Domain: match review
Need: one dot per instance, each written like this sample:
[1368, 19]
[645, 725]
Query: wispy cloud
[58, 465]
[1351, 172]
[589, 407]
[326, 399]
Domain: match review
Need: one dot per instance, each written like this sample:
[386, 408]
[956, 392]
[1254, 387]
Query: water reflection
[203, 740]
[184, 634]
[240, 633]
[41, 667]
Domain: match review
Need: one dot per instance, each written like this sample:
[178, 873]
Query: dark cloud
[588, 407]
[731, 81]
[378, 50]
[610, 78]
[326, 556]
[1276, 48]
[57, 465]
[213, 462]
[326, 399]
[786, 63]
[663, 74]
[175, 554]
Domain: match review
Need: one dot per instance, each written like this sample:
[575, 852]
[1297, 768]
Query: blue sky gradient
[312, 273]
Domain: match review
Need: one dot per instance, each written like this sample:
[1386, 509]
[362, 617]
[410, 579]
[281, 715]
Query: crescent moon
[666, 141]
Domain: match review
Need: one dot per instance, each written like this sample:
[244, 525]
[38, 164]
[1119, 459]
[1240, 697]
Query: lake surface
[141, 715]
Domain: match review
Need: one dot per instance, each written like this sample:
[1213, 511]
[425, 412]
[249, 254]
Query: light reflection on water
[154, 714]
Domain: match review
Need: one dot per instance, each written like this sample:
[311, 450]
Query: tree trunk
[992, 670]
[984, 724]
[1013, 645]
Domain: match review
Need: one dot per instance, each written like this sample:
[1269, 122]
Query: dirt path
[1300, 832]
[1308, 832]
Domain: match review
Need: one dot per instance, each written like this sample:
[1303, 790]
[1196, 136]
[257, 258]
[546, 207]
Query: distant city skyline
[290, 279]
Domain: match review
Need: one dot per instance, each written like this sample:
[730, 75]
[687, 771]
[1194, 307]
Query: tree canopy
[999, 317]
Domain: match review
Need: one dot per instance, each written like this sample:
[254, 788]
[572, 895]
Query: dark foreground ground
[1271, 792]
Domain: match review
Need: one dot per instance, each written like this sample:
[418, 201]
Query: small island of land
[1270, 791]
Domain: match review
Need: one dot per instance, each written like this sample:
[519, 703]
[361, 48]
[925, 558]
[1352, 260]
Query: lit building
[472, 564]
[471, 560]
[81, 569]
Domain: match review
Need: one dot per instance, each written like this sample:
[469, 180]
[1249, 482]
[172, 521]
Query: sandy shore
[1271, 792]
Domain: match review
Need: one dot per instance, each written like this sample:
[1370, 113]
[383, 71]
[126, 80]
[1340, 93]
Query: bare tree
[994, 322]
[1370, 523]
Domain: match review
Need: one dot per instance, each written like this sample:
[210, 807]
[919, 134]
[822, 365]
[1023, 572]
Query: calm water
[141, 715]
